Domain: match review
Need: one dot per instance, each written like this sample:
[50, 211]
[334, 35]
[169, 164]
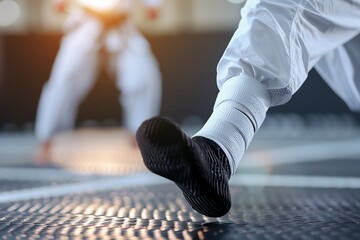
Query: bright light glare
[102, 5]
[9, 12]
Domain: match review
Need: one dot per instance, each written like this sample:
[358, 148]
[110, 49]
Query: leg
[139, 80]
[255, 73]
[72, 76]
[253, 76]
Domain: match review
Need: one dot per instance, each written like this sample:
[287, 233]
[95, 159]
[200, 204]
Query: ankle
[215, 150]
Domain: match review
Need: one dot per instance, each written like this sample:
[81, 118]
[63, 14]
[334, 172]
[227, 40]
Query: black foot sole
[190, 163]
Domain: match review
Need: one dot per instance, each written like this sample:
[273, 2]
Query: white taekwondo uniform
[276, 44]
[77, 64]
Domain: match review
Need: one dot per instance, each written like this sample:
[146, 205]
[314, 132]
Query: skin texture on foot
[197, 165]
[42, 157]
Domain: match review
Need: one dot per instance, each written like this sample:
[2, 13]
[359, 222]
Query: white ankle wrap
[239, 111]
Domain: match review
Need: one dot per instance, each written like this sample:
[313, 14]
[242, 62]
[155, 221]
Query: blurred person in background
[267, 60]
[93, 26]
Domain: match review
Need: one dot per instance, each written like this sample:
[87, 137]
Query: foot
[43, 155]
[197, 165]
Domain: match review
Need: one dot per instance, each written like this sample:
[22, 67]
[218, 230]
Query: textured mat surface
[98, 188]
[160, 212]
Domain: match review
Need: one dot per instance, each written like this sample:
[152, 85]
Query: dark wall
[188, 64]
[26, 64]
[2, 63]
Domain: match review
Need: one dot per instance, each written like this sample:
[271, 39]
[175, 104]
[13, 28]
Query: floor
[299, 182]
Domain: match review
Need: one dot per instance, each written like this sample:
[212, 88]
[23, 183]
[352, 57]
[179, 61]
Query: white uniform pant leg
[268, 59]
[340, 70]
[72, 76]
[139, 80]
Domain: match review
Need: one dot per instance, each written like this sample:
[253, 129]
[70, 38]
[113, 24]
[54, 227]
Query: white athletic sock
[239, 111]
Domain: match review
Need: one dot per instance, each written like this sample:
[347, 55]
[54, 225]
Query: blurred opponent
[91, 27]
